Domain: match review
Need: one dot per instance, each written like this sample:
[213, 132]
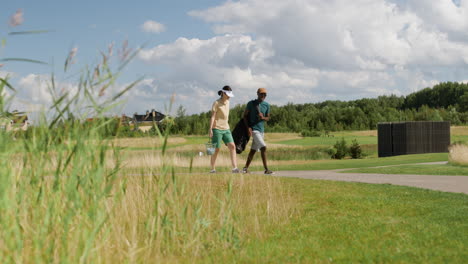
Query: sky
[301, 51]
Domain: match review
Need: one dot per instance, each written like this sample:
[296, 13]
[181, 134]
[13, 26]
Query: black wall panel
[401, 138]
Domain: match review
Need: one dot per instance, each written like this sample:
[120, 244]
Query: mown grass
[362, 163]
[353, 163]
[356, 223]
[349, 137]
[330, 141]
[446, 169]
[459, 138]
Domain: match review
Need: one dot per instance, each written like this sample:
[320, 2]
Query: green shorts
[225, 135]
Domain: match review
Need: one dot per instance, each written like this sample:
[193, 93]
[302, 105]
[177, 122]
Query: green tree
[463, 102]
[355, 150]
[341, 149]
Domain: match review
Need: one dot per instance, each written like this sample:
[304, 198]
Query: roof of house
[19, 118]
[149, 116]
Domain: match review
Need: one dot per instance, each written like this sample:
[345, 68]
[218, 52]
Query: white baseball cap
[228, 93]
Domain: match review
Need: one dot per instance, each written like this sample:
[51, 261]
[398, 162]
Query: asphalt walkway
[456, 184]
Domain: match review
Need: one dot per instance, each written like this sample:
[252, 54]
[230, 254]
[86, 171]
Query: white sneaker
[235, 170]
[212, 171]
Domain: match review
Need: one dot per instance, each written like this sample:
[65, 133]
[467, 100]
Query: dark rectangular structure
[401, 138]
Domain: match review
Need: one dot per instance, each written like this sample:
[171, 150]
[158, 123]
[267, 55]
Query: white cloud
[36, 88]
[153, 94]
[326, 33]
[314, 50]
[6, 74]
[221, 50]
[35, 93]
[151, 26]
[446, 15]
[31, 94]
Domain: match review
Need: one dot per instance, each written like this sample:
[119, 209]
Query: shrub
[125, 131]
[154, 130]
[331, 152]
[309, 133]
[341, 149]
[355, 150]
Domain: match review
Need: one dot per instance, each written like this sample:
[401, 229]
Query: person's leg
[257, 143]
[264, 159]
[216, 139]
[232, 149]
[249, 158]
[229, 141]
[213, 160]
[261, 144]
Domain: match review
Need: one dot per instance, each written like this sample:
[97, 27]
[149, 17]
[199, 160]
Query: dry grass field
[185, 217]
[459, 130]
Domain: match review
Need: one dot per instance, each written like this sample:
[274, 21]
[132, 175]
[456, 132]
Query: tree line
[446, 101]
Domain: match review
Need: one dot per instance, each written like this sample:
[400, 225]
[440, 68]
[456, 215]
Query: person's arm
[212, 121]
[266, 116]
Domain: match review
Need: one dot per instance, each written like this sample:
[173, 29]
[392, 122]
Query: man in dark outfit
[255, 115]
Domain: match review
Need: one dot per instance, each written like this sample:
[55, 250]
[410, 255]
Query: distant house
[14, 122]
[146, 121]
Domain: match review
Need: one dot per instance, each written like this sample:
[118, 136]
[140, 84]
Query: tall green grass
[64, 197]
[55, 187]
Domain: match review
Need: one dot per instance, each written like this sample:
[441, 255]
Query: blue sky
[92, 26]
[302, 51]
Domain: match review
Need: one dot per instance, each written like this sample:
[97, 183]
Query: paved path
[456, 184]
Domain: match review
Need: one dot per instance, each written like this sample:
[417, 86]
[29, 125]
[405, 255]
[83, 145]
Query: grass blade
[29, 32]
[23, 60]
[7, 84]
[126, 89]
